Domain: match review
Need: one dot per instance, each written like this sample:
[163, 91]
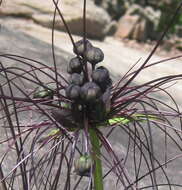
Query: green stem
[98, 181]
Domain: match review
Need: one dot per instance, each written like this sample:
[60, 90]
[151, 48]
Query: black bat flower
[88, 124]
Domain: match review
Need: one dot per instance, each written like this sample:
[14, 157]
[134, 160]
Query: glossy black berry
[76, 79]
[75, 65]
[90, 92]
[94, 55]
[79, 47]
[73, 92]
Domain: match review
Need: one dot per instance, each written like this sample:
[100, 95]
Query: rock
[139, 32]
[111, 28]
[27, 46]
[126, 25]
[115, 8]
[15, 8]
[138, 23]
[168, 44]
[42, 12]
[179, 31]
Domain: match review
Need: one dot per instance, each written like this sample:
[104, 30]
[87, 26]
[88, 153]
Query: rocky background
[136, 20]
[109, 24]
[115, 26]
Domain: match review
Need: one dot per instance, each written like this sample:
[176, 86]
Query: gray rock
[29, 47]
[126, 26]
[42, 12]
[138, 23]
[115, 8]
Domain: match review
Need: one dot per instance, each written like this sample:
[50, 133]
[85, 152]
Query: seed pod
[79, 47]
[94, 55]
[73, 92]
[83, 165]
[75, 65]
[43, 93]
[90, 92]
[76, 79]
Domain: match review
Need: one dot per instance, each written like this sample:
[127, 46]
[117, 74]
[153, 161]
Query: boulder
[139, 32]
[32, 48]
[115, 8]
[42, 12]
[179, 31]
[126, 25]
[138, 23]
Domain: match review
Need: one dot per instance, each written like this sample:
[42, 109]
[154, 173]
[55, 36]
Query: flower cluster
[89, 93]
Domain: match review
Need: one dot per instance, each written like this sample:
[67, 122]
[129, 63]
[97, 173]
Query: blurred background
[141, 21]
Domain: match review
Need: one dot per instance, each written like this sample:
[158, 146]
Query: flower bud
[94, 55]
[75, 65]
[73, 92]
[83, 165]
[90, 92]
[101, 77]
[79, 47]
[76, 79]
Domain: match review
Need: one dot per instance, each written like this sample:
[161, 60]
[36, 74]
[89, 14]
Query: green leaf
[122, 120]
[134, 117]
[53, 132]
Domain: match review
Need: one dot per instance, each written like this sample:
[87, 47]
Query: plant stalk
[97, 173]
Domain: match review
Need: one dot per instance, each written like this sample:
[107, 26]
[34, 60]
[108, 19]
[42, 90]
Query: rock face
[27, 46]
[115, 8]
[179, 31]
[41, 12]
[138, 23]
[126, 26]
